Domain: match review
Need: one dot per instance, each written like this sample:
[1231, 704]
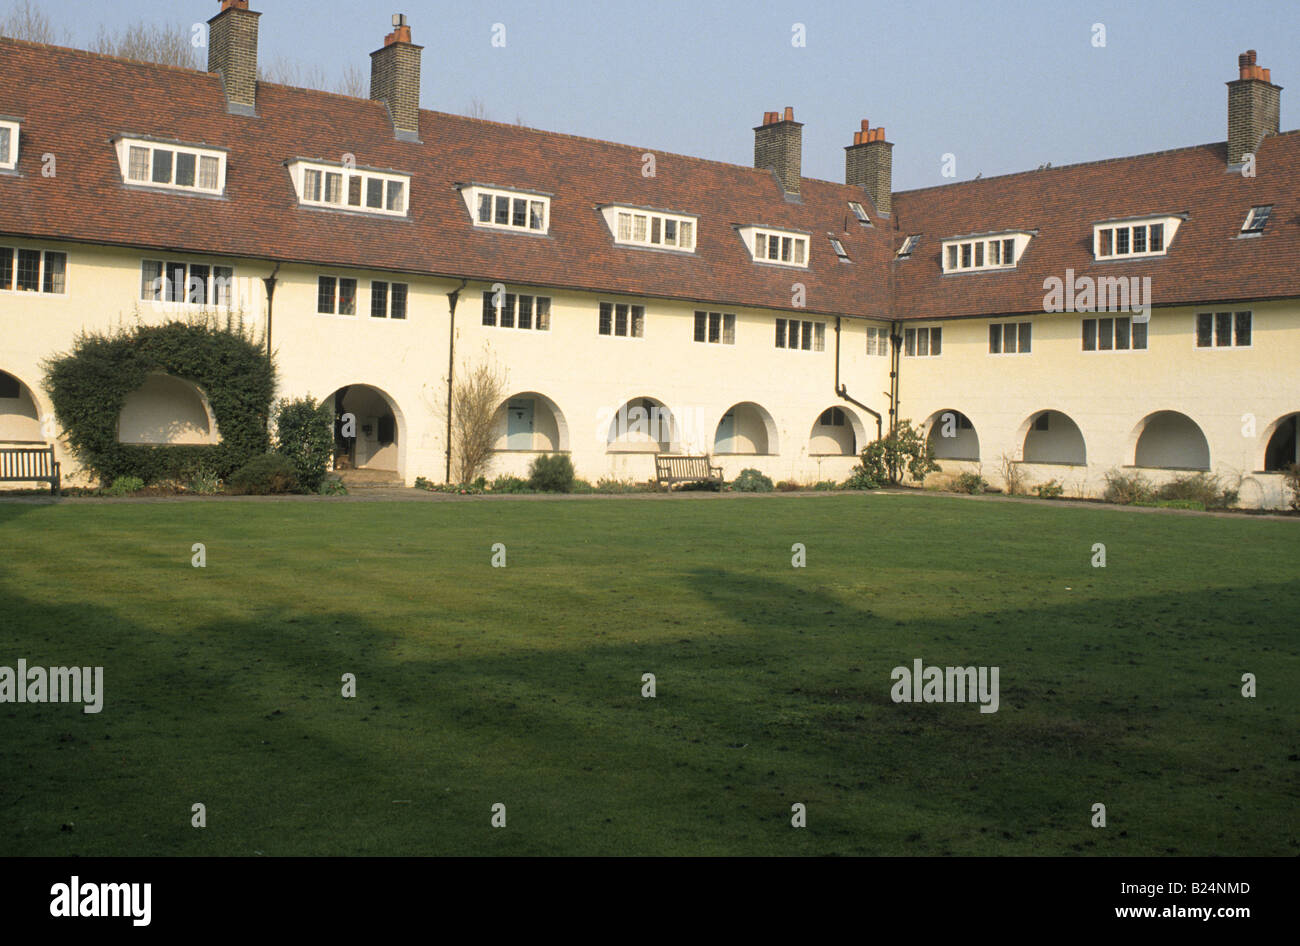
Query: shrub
[125, 486]
[1203, 488]
[305, 436]
[268, 474]
[826, 486]
[1013, 477]
[884, 460]
[1127, 488]
[1052, 489]
[788, 486]
[332, 488]
[582, 486]
[1291, 480]
[551, 473]
[507, 484]
[971, 483]
[752, 481]
[478, 393]
[422, 483]
[860, 478]
[205, 484]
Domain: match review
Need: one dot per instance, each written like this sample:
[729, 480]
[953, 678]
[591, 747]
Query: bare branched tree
[477, 109]
[287, 72]
[354, 83]
[28, 21]
[165, 45]
[478, 394]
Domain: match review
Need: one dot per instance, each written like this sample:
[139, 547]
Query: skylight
[1257, 219]
[905, 251]
[838, 247]
[8, 145]
[860, 212]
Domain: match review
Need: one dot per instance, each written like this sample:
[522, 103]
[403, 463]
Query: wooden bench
[681, 469]
[30, 464]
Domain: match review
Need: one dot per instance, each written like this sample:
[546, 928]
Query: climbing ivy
[89, 385]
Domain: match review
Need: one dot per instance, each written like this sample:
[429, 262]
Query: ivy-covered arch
[89, 385]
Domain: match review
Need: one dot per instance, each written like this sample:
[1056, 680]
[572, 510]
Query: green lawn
[522, 685]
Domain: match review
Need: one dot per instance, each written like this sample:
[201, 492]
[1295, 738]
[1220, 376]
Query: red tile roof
[72, 103]
[1206, 262]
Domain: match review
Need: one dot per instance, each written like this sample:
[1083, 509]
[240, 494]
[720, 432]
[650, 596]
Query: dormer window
[860, 212]
[1125, 239]
[343, 187]
[171, 166]
[781, 247]
[642, 227]
[499, 209]
[1256, 220]
[986, 251]
[909, 244]
[8, 145]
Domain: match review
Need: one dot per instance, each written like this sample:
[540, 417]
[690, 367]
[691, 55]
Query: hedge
[89, 386]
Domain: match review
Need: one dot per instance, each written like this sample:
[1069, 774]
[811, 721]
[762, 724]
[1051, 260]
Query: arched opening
[167, 410]
[643, 425]
[837, 432]
[20, 418]
[368, 429]
[1169, 440]
[1283, 445]
[746, 429]
[952, 436]
[1054, 437]
[530, 422]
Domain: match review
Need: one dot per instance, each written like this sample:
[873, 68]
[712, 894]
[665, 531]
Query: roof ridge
[98, 55]
[1082, 164]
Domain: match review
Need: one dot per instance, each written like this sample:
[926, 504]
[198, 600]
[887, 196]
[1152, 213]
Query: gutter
[843, 391]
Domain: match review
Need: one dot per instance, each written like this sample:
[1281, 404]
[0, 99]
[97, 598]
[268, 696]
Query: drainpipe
[270, 282]
[843, 391]
[453, 298]
[895, 350]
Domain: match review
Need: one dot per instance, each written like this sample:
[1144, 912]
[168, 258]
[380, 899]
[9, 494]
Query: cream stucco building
[640, 302]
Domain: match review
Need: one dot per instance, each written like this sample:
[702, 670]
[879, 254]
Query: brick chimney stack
[232, 53]
[1254, 108]
[869, 164]
[395, 79]
[778, 147]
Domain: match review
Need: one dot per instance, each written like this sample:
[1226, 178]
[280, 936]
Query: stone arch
[20, 411]
[1051, 436]
[529, 420]
[167, 410]
[379, 430]
[1169, 440]
[746, 429]
[643, 425]
[952, 437]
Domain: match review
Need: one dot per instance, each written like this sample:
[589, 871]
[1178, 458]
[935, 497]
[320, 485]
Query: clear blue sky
[1004, 85]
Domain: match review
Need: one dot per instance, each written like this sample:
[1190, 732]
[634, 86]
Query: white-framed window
[388, 299]
[833, 417]
[838, 246]
[362, 190]
[983, 253]
[622, 320]
[508, 210]
[39, 271]
[1125, 239]
[1121, 333]
[517, 310]
[777, 246]
[1010, 338]
[336, 295]
[859, 212]
[1256, 220]
[8, 144]
[923, 342]
[203, 284]
[909, 245]
[877, 341]
[715, 328]
[635, 226]
[1224, 329]
[798, 335]
[172, 166]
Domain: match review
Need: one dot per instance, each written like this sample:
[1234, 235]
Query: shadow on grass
[783, 696]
